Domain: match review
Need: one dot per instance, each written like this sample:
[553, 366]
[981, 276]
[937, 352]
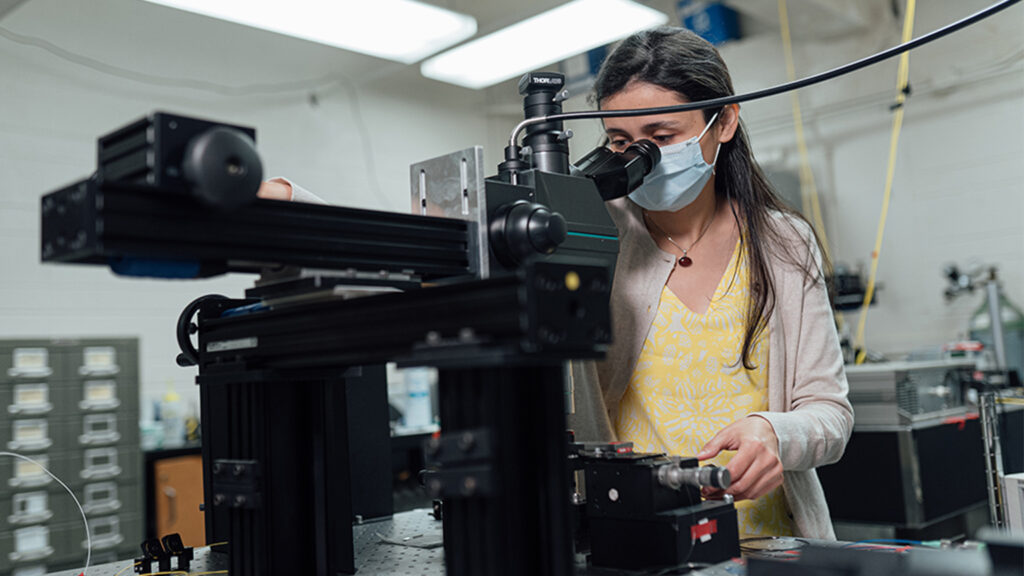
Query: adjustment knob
[522, 229]
[222, 168]
[547, 230]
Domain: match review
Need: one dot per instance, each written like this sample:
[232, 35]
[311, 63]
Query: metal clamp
[236, 484]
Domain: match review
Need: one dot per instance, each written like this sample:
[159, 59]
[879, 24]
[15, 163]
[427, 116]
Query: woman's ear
[728, 122]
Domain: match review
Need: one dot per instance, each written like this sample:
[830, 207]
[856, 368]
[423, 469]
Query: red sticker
[704, 531]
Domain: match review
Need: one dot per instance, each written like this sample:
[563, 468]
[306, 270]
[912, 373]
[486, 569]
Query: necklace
[684, 260]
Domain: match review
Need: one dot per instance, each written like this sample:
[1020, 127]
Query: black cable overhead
[512, 151]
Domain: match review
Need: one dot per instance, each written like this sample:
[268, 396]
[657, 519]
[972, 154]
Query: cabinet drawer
[29, 544]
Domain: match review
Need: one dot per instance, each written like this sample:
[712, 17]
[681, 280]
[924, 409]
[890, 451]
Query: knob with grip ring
[521, 229]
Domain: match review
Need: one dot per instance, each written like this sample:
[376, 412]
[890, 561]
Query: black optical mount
[213, 162]
[543, 93]
[496, 293]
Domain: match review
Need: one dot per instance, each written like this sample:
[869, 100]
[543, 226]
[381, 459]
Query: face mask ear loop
[708, 127]
[714, 162]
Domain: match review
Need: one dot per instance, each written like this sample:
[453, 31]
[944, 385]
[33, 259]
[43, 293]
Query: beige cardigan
[807, 386]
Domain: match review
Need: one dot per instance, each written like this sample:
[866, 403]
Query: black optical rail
[146, 233]
[547, 309]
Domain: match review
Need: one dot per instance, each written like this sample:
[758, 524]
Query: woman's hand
[755, 468]
[275, 189]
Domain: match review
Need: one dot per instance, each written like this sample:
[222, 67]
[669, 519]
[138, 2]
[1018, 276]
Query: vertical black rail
[303, 524]
[523, 526]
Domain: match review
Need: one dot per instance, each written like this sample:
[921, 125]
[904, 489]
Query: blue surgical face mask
[678, 179]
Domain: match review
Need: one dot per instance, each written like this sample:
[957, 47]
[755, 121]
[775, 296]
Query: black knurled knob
[547, 230]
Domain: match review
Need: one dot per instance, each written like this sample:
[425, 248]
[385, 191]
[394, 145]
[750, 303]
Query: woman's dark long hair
[679, 60]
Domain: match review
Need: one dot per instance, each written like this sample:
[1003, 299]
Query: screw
[238, 470]
[240, 501]
[469, 486]
[467, 441]
[217, 468]
[435, 487]
[613, 495]
[433, 446]
[218, 499]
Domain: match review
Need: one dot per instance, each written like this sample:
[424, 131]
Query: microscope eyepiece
[645, 150]
[617, 174]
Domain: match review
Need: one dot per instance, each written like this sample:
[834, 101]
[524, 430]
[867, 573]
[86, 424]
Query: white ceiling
[152, 39]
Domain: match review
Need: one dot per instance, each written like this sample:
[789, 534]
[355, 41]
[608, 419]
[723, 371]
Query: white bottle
[172, 416]
[419, 412]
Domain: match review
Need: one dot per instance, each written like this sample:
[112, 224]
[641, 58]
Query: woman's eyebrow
[661, 124]
[649, 127]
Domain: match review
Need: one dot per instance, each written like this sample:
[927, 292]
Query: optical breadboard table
[420, 553]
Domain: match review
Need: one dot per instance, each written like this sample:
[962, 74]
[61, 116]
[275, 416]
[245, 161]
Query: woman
[725, 346]
[724, 343]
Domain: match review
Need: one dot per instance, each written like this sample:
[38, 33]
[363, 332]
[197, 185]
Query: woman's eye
[618, 144]
[663, 139]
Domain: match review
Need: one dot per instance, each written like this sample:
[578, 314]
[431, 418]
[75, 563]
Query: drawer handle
[35, 518]
[29, 372]
[39, 554]
[30, 409]
[100, 473]
[104, 371]
[105, 507]
[101, 438]
[29, 482]
[104, 542]
[99, 404]
[29, 445]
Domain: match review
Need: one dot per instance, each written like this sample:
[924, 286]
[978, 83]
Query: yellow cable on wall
[902, 79]
[808, 189]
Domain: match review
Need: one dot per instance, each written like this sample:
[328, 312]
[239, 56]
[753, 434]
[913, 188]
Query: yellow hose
[808, 189]
[902, 79]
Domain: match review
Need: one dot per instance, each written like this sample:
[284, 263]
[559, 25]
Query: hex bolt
[240, 501]
[218, 499]
[238, 470]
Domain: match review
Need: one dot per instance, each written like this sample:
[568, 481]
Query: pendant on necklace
[685, 261]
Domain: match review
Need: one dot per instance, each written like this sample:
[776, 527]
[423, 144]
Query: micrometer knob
[547, 230]
[675, 477]
[715, 477]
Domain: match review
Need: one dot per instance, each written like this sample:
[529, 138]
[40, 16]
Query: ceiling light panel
[549, 37]
[401, 30]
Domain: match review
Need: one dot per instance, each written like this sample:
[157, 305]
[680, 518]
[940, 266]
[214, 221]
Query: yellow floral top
[689, 383]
